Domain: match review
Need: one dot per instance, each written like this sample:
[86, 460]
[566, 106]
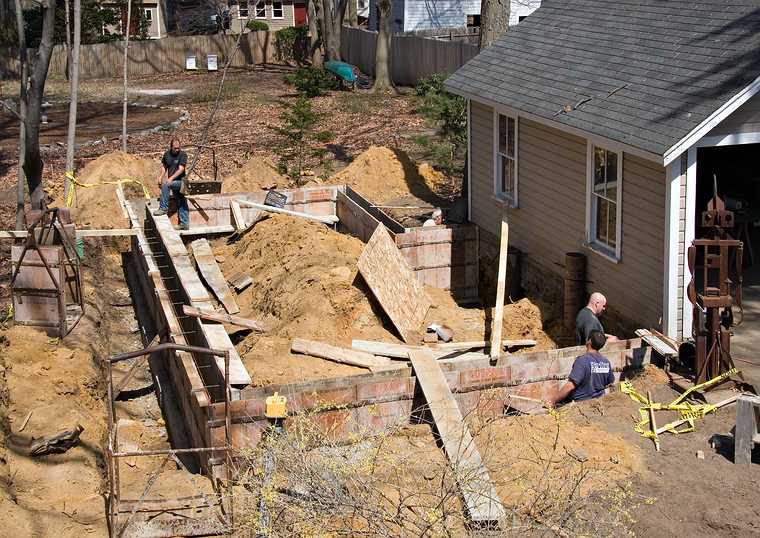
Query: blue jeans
[182, 209]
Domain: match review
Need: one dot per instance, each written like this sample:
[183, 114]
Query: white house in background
[411, 15]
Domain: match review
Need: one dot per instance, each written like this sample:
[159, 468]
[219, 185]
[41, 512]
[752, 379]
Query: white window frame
[591, 239]
[282, 9]
[498, 193]
[256, 8]
[241, 9]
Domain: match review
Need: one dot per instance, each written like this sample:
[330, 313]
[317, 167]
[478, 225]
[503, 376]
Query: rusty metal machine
[715, 290]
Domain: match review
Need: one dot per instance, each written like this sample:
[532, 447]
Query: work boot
[159, 213]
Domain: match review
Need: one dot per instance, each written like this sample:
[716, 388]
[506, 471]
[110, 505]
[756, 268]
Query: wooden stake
[652, 423]
[498, 312]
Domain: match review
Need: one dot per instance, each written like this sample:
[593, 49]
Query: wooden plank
[354, 218]
[208, 230]
[224, 318]
[240, 281]
[479, 493]
[394, 285]
[339, 354]
[660, 346]
[211, 272]
[401, 351]
[217, 338]
[747, 424]
[498, 313]
[330, 219]
[237, 215]
[117, 232]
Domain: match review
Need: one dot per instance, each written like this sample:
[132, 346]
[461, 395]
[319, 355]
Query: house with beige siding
[601, 127]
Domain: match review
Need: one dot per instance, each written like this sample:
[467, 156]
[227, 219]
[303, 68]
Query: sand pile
[254, 175]
[98, 207]
[382, 174]
[306, 285]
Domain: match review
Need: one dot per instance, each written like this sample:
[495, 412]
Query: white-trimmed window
[277, 11]
[242, 9]
[505, 158]
[149, 15]
[261, 9]
[605, 182]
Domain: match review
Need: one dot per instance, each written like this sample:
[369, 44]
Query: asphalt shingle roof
[652, 70]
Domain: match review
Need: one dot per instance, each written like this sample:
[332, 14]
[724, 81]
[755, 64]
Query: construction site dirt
[579, 471]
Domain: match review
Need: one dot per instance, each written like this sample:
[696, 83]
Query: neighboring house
[276, 14]
[155, 16]
[598, 126]
[411, 15]
[362, 8]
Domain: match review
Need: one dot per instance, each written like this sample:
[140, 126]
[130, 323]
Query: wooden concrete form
[36, 298]
[213, 276]
[369, 404]
[747, 428]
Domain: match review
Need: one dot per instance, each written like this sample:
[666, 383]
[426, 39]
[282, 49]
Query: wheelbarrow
[344, 72]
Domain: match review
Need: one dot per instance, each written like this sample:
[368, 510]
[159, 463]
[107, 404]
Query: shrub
[257, 26]
[312, 82]
[292, 44]
[448, 113]
[299, 134]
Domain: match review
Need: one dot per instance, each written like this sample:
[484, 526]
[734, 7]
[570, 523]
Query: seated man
[173, 165]
[591, 373]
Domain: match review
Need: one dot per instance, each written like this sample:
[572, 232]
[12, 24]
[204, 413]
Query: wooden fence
[412, 57]
[167, 55]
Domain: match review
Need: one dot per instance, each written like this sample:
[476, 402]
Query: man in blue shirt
[591, 373]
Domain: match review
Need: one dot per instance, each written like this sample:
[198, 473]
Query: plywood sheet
[479, 493]
[394, 285]
[204, 257]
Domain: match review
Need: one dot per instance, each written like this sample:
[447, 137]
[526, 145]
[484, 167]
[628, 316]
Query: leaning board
[394, 285]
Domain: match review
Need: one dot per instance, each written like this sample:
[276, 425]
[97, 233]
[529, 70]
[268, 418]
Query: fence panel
[167, 55]
[412, 57]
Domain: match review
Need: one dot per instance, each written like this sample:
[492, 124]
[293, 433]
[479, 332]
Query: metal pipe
[166, 346]
[164, 451]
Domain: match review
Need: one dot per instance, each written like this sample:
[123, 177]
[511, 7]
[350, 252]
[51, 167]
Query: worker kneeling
[591, 373]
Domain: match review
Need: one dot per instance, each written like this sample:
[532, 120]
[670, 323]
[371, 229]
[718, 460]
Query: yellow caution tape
[686, 411]
[74, 182]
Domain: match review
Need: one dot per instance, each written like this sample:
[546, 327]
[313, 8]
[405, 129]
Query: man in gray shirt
[587, 319]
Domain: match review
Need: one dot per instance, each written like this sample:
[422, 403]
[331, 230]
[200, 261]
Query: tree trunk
[74, 94]
[126, 59]
[332, 17]
[24, 78]
[383, 80]
[67, 9]
[314, 42]
[33, 159]
[494, 21]
[353, 17]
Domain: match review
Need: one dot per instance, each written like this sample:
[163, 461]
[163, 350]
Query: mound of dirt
[98, 207]
[254, 175]
[382, 174]
[306, 285]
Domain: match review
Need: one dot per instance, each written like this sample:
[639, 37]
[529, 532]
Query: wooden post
[747, 418]
[498, 311]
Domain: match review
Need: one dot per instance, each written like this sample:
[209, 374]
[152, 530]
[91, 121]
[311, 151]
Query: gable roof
[649, 73]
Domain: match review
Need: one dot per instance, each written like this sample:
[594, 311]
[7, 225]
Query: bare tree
[33, 164]
[494, 21]
[74, 92]
[126, 61]
[24, 76]
[315, 44]
[331, 14]
[353, 17]
[383, 81]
